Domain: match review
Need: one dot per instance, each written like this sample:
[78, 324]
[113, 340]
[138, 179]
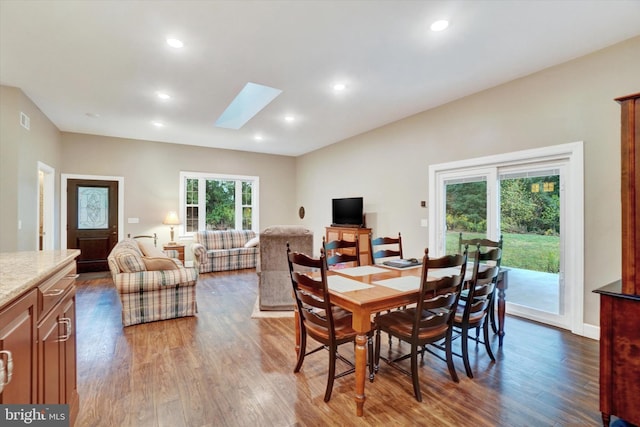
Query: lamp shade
[172, 219]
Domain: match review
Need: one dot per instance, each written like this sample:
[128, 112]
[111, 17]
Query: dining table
[366, 290]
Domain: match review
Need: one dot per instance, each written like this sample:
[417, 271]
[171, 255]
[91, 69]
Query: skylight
[251, 99]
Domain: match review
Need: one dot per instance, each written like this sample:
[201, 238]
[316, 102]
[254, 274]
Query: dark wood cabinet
[57, 353]
[17, 341]
[620, 301]
[37, 330]
[349, 234]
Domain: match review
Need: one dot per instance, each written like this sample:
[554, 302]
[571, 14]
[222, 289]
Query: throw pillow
[151, 251]
[252, 242]
[129, 261]
[159, 263]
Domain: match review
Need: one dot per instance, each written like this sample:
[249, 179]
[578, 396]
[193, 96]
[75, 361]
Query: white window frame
[573, 155]
[203, 176]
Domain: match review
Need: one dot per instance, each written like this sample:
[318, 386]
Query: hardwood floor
[222, 368]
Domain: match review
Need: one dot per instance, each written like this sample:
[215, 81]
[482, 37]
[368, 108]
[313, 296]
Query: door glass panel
[530, 225]
[466, 210]
[93, 208]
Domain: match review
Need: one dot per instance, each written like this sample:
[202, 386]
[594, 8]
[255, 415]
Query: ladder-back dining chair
[430, 321]
[485, 244]
[388, 247]
[342, 252]
[473, 311]
[318, 318]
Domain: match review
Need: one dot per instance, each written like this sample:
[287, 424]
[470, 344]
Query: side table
[175, 247]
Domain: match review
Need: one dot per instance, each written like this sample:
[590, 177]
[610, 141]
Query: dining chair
[336, 254]
[473, 313]
[430, 321]
[318, 318]
[484, 244]
[389, 247]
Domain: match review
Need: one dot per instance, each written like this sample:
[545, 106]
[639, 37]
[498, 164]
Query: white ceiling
[109, 58]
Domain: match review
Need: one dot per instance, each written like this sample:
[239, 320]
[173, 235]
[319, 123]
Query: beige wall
[20, 151]
[151, 176]
[567, 103]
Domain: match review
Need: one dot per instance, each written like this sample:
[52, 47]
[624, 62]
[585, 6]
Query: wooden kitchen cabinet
[18, 340]
[37, 328]
[57, 353]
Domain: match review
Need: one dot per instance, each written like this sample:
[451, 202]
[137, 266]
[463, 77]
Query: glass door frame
[572, 155]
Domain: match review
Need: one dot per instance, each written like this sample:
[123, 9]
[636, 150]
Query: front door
[92, 221]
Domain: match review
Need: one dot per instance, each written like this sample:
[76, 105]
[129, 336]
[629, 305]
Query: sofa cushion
[149, 250]
[129, 261]
[159, 263]
[129, 244]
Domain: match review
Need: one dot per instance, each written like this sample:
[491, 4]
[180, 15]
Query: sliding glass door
[524, 202]
[530, 220]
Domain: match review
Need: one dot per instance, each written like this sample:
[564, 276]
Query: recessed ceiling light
[158, 124]
[289, 118]
[440, 25]
[258, 138]
[339, 87]
[92, 115]
[163, 96]
[175, 43]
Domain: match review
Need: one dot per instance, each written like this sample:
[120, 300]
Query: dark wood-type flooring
[223, 368]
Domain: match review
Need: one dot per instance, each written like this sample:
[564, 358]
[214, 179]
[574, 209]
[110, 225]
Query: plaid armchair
[151, 285]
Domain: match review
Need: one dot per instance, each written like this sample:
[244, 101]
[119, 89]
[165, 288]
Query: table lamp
[172, 219]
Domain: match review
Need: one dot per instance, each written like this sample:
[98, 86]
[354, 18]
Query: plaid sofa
[151, 285]
[222, 250]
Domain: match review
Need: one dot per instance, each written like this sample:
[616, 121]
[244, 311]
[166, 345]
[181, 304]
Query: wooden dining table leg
[361, 323]
[501, 313]
[361, 370]
[503, 284]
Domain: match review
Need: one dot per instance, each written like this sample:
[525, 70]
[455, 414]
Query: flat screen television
[347, 212]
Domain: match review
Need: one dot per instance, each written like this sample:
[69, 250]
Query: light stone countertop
[21, 271]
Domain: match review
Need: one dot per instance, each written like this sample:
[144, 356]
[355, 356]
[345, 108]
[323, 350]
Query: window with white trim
[218, 202]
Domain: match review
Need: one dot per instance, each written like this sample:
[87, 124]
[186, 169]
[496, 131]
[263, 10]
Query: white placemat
[412, 267]
[404, 283]
[362, 270]
[344, 284]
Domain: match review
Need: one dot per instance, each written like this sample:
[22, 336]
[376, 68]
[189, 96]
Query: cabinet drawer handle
[67, 322]
[5, 378]
[53, 293]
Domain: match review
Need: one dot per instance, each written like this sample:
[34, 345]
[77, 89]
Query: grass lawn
[528, 251]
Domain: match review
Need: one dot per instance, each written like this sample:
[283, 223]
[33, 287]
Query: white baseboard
[591, 331]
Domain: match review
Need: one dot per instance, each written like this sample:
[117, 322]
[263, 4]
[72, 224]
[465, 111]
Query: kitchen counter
[21, 271]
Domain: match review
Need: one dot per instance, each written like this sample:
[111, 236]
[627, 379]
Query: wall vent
[25, 121]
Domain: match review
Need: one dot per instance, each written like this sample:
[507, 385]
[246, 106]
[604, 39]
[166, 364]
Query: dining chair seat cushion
[401, 322]
[473, 317]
